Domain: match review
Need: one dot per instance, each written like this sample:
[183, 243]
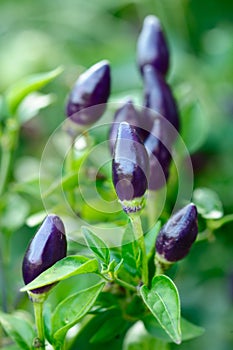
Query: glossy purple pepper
[177, 235]
[126, 113]
[152, 47]
[47, 247]
[158, 97]
[130, 168]
[87, 100]
[159, 157]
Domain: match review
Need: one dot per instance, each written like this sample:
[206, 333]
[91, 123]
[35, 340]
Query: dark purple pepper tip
[152, 47]
[92, 89]
[130, 168]
[47, 247]
[177, 235]
[126, 113]
[159, 98]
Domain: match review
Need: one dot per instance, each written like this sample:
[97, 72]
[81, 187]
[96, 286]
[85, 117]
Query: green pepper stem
[125, 284]
[118, 281]
[38, 311]
[138, 232]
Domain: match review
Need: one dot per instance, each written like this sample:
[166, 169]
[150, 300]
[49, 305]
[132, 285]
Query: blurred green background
[37, 36]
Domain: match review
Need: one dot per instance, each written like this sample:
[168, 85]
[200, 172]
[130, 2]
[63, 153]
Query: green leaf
[208, 203]
[137, 338]
[69, 266]
[150, 238]
[164, 303]
[24, 87]
[89, 329]
[130, 252]
[109, 330]
[66, 183]
[72, 309]
[32, 104]
[18, 329]
[194, 125]
[96, 244]
[11, 217]
[188, 329]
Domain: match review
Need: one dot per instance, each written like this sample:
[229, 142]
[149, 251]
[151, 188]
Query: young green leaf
[72, 309]
[18, 329]
[69, 266]
[32, 104]
[96, 245]
[164, 303]
[208, 203]
[188, 329]
[130, 252]
[24, 87]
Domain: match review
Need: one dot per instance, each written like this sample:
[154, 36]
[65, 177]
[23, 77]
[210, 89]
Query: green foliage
[71, 310]
[19, 329]
[17, 92]
[96, 244]
[188, 329]
[38, 36]
[164, 303]
[208, 203]
[63, 269]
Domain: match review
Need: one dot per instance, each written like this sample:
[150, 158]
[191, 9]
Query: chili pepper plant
[113, 223]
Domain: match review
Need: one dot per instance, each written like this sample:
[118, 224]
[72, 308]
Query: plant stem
[125, 284]
[4, 169]
[138, 232]
[38, 311]
[120, 282]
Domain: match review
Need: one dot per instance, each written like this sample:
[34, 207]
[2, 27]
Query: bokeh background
[37, 36]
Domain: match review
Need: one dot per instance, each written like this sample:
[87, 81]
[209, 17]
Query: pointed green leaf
[164, 303]
[188, 329]
[24, 87]
[208, 203]
[69, 266]
[18, 329]
[130, 252]
[96, 244]
[32, 104]
[72, 309]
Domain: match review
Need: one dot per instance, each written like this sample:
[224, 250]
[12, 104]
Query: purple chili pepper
[177, 235]
[126, 113]
[159, 98]
[87, 100]
[130, 168]
[47, 247]
[152, 47]
[159, 157]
